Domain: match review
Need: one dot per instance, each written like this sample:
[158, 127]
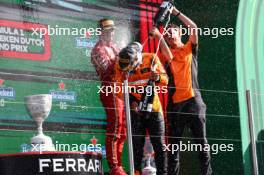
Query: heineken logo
[84, 43]
[63, 96]
[67, 96]
[7, 93]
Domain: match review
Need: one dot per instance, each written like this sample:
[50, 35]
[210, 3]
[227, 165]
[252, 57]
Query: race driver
[139, 68]
[104, 57]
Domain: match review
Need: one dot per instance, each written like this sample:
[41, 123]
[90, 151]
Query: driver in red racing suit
[104, 57]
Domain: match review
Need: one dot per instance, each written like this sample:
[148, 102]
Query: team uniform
[103, 57]
[186, 107]
[140, 122]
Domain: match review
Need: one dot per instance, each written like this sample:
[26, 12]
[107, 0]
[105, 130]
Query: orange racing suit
[140, 122]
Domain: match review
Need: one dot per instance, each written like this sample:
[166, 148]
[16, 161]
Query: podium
[51, 163]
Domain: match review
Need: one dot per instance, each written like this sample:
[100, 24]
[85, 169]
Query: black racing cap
[126, 57]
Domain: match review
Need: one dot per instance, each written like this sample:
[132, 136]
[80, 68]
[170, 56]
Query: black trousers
[190, 113]
[154, 123]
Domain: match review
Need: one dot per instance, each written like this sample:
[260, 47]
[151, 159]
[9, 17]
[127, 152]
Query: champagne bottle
[163, 14]
[146, 102]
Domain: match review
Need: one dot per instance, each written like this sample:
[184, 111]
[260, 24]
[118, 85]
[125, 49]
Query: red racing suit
[103, 57]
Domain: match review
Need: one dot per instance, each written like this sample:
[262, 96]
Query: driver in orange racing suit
[104, 57]
[138, 66]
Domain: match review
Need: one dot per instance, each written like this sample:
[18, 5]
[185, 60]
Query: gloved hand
[134, 108]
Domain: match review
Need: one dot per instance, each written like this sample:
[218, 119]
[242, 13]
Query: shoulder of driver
[148, 59]
[149, 56]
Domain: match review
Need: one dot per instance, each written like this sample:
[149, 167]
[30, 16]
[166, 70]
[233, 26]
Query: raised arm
[160, 71]
[188, 23]
[164, 48]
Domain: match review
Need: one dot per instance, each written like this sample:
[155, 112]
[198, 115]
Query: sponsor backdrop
[34, 62]
[45, 48]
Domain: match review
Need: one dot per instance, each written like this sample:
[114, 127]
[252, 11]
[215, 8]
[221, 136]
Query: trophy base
[149, 171]
[41, 142]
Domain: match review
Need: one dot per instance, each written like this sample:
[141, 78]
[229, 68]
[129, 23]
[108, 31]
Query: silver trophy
[38, 107]
[149, 170]
[148, 152]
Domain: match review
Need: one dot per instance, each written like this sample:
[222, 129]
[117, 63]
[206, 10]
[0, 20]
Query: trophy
[149, 170]
[38, 107]
[148, 152]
